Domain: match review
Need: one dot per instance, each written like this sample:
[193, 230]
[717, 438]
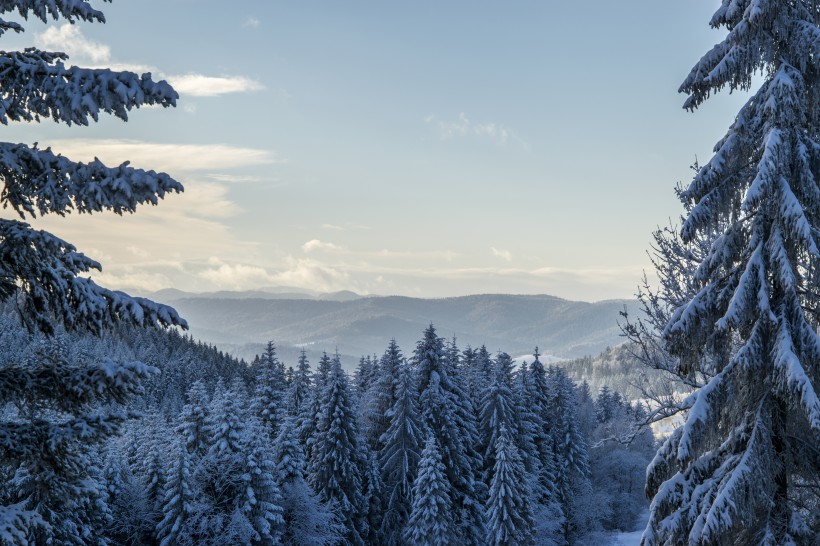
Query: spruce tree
[431, 520]
[48, 449]
[509, 513]
[306, 520]
[299, 388]
[400, 456]
[337, 462]
[178, 508]
[195, 415]
[447, 413]
[47, 278]
[269, 392]
[498, 410]
[738, 471]
[570, 449]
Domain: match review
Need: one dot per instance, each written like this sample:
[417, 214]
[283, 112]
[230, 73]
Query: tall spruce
[738, 471]
[269, 390]
[399, 456]
[509, 513]
[337, 462]
[448, 414]
[432, 521]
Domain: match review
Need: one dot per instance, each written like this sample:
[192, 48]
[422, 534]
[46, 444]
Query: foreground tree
[47, 449]
[745, 468]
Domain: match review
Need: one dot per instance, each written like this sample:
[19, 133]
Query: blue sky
[426, 148]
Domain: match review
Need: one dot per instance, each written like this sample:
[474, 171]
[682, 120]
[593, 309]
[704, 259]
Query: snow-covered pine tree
[509, 513]
[43, 272]
[381, 396]
[270, 389]
[178, 505]
[195, 415]
[306, 520]
[448, 415]
[497, 411]
[400, 456]
[431, 521]
[570, 448]
[740, 470]
[48, 447]
[336, 463]
[536, 412]
[130, 522]
[299, 388]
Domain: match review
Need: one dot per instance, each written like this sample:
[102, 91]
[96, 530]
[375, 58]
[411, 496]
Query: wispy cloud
[465, 127]
[251, 22]
[504, 254]
[198, 85]
[173, 158]
[316, 244]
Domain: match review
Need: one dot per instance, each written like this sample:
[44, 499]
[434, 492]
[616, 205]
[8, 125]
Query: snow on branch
[38, 84]
[70, 387]
[45, 270]
[792, 377]
[8, 25]
[71, 10]
[41, 181]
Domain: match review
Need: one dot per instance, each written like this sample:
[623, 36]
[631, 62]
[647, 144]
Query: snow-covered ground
[632, 538]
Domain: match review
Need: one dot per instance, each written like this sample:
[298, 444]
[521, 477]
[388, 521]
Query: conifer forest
[118, 427]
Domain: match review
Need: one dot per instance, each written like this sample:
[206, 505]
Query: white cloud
[198, 85]
[504, 254]
[251, 22]
[316, 244]
[69, 39]
[173, 158]
[464, 127]
[238, 276]
[305, 273]
[130, 278]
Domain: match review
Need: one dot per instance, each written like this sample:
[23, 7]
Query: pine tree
[400, 456]
[448, 414]
[269, 399]
[177, 507]
[509, 514]
[306, 520]
[497, 411]
[41, 270]
[380, 397]
[431, 520]
[737, 471]
[47, 277]
[537, 414]
[336, 464]
[195, 415]
[299, 389]
[570, 449]
[48, 449]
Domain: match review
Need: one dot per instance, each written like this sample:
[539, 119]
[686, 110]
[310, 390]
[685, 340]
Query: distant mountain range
[242, 322]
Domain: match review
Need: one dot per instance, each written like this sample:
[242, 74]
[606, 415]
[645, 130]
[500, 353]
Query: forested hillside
[447, 445]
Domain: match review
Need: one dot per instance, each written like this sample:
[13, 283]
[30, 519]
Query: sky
[423, 148]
